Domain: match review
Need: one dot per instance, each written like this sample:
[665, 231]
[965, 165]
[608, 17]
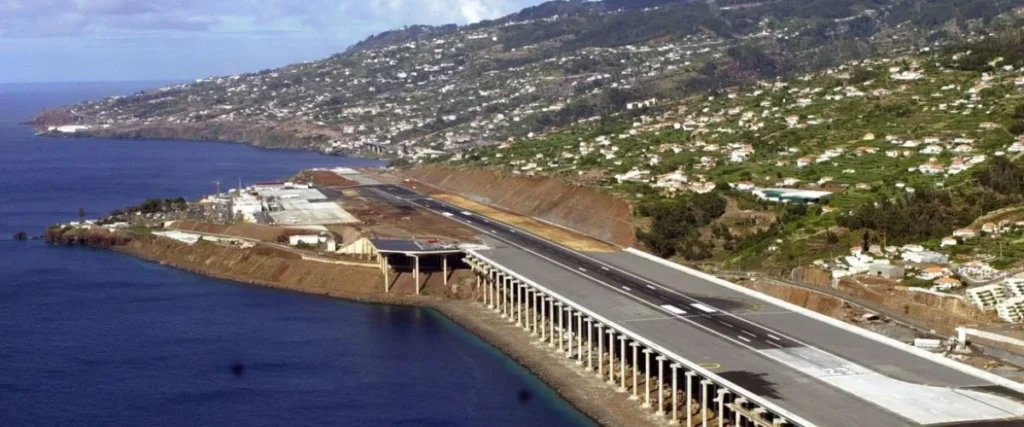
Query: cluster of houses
[1006, 298]
[702, 135]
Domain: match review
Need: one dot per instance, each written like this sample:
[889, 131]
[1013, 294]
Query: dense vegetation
[929, 214]
[675, 224]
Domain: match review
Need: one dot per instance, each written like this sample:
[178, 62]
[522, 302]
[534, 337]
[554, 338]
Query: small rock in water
[20, 236]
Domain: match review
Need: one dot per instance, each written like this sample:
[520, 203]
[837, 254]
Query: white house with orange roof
[946, 283]
[965, 233]
[932, 273]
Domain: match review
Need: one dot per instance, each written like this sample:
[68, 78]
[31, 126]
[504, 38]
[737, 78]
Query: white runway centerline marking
[773, 337]
[672, 309]
[743, 338]
[625, 288]
[703, 308]
[749, 333]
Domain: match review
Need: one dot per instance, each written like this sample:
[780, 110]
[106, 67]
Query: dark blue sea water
[93, 338]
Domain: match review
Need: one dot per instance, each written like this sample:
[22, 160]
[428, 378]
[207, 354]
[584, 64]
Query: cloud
[39, 18]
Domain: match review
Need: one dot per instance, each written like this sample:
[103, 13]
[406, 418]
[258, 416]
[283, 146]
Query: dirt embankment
[584, 209]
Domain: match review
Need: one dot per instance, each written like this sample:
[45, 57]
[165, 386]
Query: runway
[818, 371]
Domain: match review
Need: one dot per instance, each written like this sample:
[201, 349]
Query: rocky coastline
[276, 136]
[251, 266]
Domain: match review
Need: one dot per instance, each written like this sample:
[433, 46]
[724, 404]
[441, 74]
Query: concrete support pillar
[561, 327]
[579, 338]
[661, 385]
[416, 272]
[600, 351]
[527, 308]
[444, 269]
[386, 287]
[590, 344]
[721, 407]
[518, 306]
[477, 288]
[535, 313]
[675, 394]
[704, 402]
[689, 397]
[635, 364]
[739, 402]
[611, 357]
[568, 331]
[506, 297]
[543, 318]
[622, 363]
[647, 379]
[551, 322]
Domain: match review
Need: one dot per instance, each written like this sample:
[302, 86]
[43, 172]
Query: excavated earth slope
[583, 209]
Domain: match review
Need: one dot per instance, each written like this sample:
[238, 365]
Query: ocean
[94, 338]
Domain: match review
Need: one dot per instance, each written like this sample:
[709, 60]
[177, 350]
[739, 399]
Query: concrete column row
[578, 336]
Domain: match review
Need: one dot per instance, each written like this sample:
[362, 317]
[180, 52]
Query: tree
[866, 244]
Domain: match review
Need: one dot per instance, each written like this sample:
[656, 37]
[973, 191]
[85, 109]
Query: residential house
[948, 241]
[931, 168]
[986, 297]
[1014, 285]
[1011, 310]
[932, 273]
[946, 283]
[965, 233]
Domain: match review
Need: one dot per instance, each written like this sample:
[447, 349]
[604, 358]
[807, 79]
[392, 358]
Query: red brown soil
[381, 219]
[327, 179]
[265, 233]
[585, 209]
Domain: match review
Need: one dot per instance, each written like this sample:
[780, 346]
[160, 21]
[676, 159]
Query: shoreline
[581, 389]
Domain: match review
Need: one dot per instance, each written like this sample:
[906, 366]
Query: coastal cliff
[257, 134]
[91, 237]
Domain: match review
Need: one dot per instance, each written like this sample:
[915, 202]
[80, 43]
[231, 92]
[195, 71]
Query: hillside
[424, 91]
[898, 150]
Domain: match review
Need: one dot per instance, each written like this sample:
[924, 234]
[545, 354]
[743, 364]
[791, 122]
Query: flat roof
[413, 247]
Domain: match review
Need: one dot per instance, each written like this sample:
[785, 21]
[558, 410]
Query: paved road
[816, 370]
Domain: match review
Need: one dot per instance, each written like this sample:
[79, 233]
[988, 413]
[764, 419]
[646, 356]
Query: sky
[178, 40]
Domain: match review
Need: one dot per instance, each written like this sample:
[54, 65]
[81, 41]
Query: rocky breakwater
[64, 122]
